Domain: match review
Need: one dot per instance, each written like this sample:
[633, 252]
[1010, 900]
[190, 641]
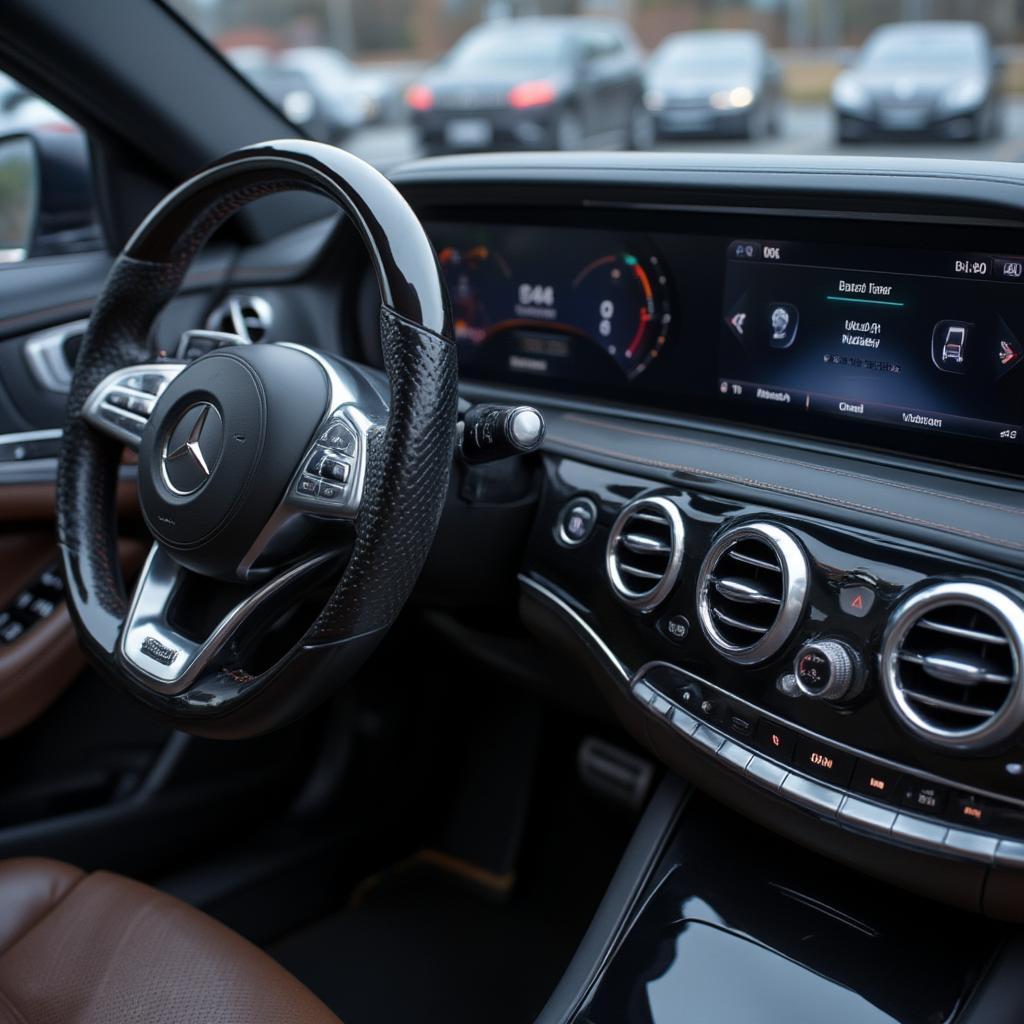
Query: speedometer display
[594, 306]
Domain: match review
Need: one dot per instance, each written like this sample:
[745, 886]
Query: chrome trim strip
[876, 758]
[25, 436]
[579, 622]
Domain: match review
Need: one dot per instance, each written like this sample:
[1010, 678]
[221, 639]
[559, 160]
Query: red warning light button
[856, 600]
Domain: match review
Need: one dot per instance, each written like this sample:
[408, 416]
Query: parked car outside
[714, 83]
[535, 83]
[352, 96]
[935, 78]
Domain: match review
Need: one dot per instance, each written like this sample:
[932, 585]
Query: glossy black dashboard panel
[803, 328]
[807, 940]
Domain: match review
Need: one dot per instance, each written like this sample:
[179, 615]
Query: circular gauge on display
[621, 304]
[479, 281]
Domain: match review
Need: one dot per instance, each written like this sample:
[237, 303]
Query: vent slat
[644, 545]
[757, 563]
[735, 623]
[978, 636]
[744, 591]
[948, 705]
[643, 574]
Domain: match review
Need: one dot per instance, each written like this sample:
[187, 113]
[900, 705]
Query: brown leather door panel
[45, 659]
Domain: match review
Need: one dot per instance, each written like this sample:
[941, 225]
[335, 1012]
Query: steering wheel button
[332, 469]
[338, 437]
[329, 492]
[309, 486]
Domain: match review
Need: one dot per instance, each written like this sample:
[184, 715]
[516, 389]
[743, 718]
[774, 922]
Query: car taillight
[531, 94]
[419, 97]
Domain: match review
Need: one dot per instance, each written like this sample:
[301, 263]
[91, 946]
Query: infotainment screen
[919, 340]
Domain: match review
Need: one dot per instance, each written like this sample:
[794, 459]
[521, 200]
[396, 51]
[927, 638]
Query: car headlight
[654, 99]
[298, 106]
[848, 94]
[965, 95]
[737, 98]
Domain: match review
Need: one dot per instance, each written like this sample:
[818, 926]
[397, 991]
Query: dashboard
[780, 524]
[907, 348]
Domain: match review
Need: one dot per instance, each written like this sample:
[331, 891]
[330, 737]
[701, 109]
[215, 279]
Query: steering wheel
[292, 498]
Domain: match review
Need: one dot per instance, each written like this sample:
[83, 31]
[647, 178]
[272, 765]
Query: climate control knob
[826, 670]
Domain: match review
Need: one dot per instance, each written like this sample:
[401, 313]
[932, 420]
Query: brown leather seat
[77, 947]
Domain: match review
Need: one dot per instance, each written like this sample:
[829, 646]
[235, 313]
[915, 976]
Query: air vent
[248, 316]
[645, 551]
[951, 664]
[751, 592]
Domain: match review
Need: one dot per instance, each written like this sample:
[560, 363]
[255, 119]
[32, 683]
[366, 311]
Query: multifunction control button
[823, 762]
[826, 670]
[576, 521]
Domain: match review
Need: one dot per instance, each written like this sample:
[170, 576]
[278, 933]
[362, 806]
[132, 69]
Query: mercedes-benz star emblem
[192, 448]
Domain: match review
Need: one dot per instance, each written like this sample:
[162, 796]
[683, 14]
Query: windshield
[398, 80]
[703, 56]
[508, 46]
[898, 50]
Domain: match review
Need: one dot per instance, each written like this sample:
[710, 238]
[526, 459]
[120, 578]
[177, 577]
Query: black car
[534, 83]
[713, 83]
[938, 78]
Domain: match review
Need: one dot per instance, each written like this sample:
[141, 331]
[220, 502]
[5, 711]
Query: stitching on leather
[793, 491]
[978, 502]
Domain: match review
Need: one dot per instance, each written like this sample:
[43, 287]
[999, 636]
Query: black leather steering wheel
[265, 471]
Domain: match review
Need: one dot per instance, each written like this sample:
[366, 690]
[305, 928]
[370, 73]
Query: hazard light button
[856, 600]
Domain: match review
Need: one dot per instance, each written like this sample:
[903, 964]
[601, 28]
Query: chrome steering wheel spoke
[330, 479]
[121, 404]
[157, 652]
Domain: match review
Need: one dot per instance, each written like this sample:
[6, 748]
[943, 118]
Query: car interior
[561, 587]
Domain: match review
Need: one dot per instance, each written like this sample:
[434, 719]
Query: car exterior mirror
[46, 199]
[19, 197]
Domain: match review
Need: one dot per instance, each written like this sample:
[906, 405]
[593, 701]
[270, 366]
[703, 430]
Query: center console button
[576, 522]
[824, 762]
[923, 796]
[919, 832]
[775, 740]
[874, 781]
[968, 809]
[675, 628]
[826, 670]
[866, 815]
[821, 798]
[856, 600]
[766, 772]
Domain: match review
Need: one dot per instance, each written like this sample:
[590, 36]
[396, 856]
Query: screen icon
[950, 340]
[783, 320]
[1008, 350]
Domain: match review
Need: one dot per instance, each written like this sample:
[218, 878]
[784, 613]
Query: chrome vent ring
[645, 552]
[951, 664]
[751, 592]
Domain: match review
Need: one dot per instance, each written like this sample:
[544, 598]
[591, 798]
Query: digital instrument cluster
[573, 305]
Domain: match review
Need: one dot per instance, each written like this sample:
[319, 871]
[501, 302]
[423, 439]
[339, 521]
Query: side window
[46, 198]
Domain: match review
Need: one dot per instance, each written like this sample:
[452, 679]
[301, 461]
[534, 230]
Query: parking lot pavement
[804, 129]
